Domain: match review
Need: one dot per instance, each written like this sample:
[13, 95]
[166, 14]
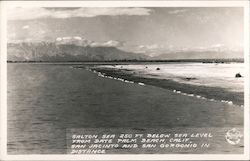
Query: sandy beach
[184, 83]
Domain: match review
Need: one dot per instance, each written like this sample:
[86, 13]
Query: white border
[246, 85]
[3, 81]
[3, 147]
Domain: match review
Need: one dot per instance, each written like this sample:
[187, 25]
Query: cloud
[35, 30]
[177, 11]
[149, 47]
[154, 46]
[110, 43]
[36, 13]
[78, 40]
[26, 27]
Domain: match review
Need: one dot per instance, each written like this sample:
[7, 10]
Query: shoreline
[200, 92]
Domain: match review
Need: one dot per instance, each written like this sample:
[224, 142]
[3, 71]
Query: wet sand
[213, 93]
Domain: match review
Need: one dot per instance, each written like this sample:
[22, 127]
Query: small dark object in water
[190, 78]
[238, 75]
[146, 67]
[139, 129]
[157, 68]
[78, 67]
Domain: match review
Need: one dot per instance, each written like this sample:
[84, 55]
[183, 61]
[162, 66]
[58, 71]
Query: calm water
[45, 99]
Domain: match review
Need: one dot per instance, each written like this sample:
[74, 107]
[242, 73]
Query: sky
[151, 30]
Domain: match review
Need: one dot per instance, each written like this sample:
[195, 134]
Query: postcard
[125, 80]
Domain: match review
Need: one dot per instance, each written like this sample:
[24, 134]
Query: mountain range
[48, 51]
[109, 51]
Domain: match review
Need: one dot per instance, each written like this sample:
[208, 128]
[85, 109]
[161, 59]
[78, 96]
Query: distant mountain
[209, 54]
[51, 51]
[72, 49]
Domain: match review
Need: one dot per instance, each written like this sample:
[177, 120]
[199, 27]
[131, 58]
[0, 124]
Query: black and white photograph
[85, 80]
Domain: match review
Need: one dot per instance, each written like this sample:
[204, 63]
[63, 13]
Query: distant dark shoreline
[234, 60]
